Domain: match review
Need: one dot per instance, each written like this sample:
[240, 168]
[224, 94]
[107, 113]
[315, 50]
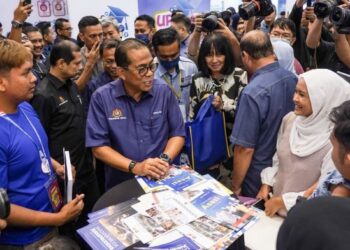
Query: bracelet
[132, 166]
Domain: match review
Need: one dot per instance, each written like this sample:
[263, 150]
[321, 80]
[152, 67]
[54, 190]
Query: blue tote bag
[206, 139]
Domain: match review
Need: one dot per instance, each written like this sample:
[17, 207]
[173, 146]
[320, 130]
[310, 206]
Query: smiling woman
[303, 146]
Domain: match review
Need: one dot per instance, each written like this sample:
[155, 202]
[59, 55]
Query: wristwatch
[165, 158]
[132, 166]
[16, 24]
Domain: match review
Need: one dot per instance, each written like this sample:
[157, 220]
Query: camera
[4, 204]
[210, 21]
[255, 8]
[323, 8]
[341, 19]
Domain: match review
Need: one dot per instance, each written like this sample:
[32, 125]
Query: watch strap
[132, 165]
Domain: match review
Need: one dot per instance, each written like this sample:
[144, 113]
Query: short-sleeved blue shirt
[263, 103]
[137, 130]
[21, 174]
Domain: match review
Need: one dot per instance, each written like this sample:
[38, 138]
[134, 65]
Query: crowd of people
[119, 106]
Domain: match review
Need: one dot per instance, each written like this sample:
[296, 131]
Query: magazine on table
[225, 209]
[174, 240]
[205, 231]
[178, 179]
[110, 232]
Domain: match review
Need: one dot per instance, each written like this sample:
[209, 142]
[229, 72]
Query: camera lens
[340, 17]
[210, 23]
[249, 10]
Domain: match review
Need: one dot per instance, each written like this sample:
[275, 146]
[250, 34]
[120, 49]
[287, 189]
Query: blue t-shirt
[263, 103]
[137, 130]
[21, 174]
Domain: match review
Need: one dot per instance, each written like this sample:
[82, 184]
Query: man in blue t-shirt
[261, 107]
[26, 170]
[134, 124]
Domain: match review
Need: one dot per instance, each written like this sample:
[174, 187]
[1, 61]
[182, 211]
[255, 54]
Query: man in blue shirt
[26, 171]
[134, 124]
[182, 24]
[173, 69]
[262, 105]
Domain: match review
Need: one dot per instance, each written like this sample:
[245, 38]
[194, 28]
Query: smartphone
[260, 204]
[308, 3]
[26, 2]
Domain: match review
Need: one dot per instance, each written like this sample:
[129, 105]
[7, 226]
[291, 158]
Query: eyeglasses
[143, 70]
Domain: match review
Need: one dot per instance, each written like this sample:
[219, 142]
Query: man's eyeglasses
[142, 70]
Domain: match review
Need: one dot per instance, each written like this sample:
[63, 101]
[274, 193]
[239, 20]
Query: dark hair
[122, 59]
[87, 21]
[257, 44]
[165, 37]
[284, 23]
[109, 44]
[340, 116]
[30, 29]
[43, 27]
[63, 50]
[181, 18]
[176, 12]
[59, 23]
[150, 20]
[222, 46]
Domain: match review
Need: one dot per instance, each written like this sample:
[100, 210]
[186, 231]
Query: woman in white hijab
[303, 147]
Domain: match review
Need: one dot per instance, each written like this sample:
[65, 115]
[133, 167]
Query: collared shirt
[184, 46]
[60, 109]
[180, 82]
[93, 85]
[137, 130]
[263, 103]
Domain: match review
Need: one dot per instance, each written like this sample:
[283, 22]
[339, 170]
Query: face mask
[143, 37]
[280, 39]
[169, 64]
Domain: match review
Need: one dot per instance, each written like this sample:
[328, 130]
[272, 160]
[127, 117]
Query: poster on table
[160, 10]
[124, 11]
[43, 10]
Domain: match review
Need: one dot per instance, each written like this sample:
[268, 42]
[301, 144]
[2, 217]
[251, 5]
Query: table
[263, 234]
[130, 189]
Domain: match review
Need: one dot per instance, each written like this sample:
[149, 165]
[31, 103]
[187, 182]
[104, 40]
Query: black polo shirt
[61, 111]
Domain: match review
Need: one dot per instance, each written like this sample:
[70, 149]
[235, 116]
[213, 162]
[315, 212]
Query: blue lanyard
[44, 161]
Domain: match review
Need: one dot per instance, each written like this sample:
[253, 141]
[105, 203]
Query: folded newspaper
[182, 211]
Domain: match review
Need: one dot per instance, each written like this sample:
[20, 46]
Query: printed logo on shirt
[62, 100]
[117, 114]
[157, 112]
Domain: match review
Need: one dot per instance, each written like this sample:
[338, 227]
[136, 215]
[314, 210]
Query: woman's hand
[273, 205]
[217, 103]
[264, 192]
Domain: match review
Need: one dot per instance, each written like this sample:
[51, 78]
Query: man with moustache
[134, 124]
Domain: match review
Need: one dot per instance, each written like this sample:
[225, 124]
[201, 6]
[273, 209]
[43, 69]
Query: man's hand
[72, 210]
[94, 54]
[223, 29]
[60, 171]
[22, 12]
[152, 167]
[264, 192]
[273, 205]
[198, 23]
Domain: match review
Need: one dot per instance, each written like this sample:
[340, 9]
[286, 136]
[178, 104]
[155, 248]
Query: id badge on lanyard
[54, 193]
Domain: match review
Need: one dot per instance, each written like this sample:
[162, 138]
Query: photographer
[198, 33]
[326, 54]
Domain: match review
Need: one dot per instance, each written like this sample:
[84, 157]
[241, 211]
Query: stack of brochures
[185, 210]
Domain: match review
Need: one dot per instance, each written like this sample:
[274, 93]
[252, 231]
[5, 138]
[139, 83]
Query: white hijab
[326, 90]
